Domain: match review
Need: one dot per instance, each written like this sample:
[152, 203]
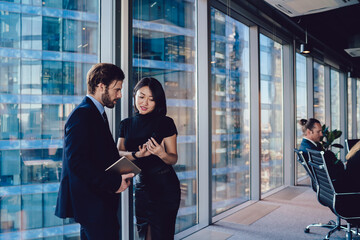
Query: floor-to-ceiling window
[230, 112]
[164, 47]
[319, 92]
[349, 108]
[301, 105]
[46, 49]
[271, 85]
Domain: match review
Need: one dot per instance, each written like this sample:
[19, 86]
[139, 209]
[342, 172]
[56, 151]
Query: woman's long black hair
[157, 93]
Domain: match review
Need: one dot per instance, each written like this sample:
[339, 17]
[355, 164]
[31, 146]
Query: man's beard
[105, 98]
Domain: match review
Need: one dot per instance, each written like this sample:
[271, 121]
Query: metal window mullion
[310, 86]
[255, 161]
[125, 65]
[289, 117]
[204, 114]
[327, 93]
[107, 41]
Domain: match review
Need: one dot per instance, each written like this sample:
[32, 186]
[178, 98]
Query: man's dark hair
[104, 73]
[157, 91]
[308, 124]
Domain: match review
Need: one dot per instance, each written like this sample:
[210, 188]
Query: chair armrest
[347, 205]
[316, 165]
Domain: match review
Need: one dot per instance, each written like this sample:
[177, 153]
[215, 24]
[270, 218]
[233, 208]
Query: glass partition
[271, 85]
[319, 92]
[301, 105]
[230, 112]
[45, 54]
[164, 47]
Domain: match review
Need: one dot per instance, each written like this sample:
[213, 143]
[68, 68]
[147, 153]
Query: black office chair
[350, 143]
[300, 158]
[343, 205]
[303, 162]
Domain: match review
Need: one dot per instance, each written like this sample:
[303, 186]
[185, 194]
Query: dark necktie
[105, 119]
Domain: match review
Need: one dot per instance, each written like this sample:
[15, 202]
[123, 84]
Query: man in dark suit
[312, 135]
[87, 193]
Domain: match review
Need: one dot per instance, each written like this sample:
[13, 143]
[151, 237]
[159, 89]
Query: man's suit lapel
[310, 145]
[99, 117]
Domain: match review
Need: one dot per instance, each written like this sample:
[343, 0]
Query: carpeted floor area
[282, 216]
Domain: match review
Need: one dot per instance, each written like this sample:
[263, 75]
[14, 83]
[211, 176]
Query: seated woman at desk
[352, 171]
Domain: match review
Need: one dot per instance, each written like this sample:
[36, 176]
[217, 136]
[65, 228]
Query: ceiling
[329, 32]
[335, 28]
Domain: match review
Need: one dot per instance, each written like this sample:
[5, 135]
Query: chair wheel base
[306, 230]
[332, 222]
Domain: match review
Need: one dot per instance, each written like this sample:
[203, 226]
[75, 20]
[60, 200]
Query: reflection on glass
[271, 84]
[32, 211]
[10, 208]
[335, 100]
[9, 71]
[39, 87]
[301, 105]
[31, 32]
[349, 104]
[51, 31]
[230, 112]
[319, 92]
[164, 40]
[10, 29]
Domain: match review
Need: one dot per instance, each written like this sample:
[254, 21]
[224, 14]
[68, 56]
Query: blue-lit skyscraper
[46, 49]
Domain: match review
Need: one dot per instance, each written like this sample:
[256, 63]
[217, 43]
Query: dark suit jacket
[87, 192]
[306, 144]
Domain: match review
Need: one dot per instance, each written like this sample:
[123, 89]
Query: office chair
[343, 205]
[304, 163]
[350, 143]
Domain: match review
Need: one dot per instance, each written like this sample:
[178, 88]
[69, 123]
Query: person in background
[351, 177]
[87, 193]
[312, 135]
[149, 139]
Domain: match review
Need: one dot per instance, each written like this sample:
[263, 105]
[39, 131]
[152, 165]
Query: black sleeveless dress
[157, 187]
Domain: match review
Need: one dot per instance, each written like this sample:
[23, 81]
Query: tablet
[123, 166]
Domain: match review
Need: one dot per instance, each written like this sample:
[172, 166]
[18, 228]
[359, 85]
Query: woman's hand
[143, 151]
[154, 148]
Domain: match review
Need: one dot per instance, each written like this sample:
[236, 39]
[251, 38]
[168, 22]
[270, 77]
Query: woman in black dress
[149, 139]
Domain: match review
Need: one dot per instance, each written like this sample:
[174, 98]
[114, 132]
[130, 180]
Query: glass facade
[301, 105]
[230, 103]
[164, 47]
[319, 92]
[349, 108]
[271, 84]
[46, 49]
